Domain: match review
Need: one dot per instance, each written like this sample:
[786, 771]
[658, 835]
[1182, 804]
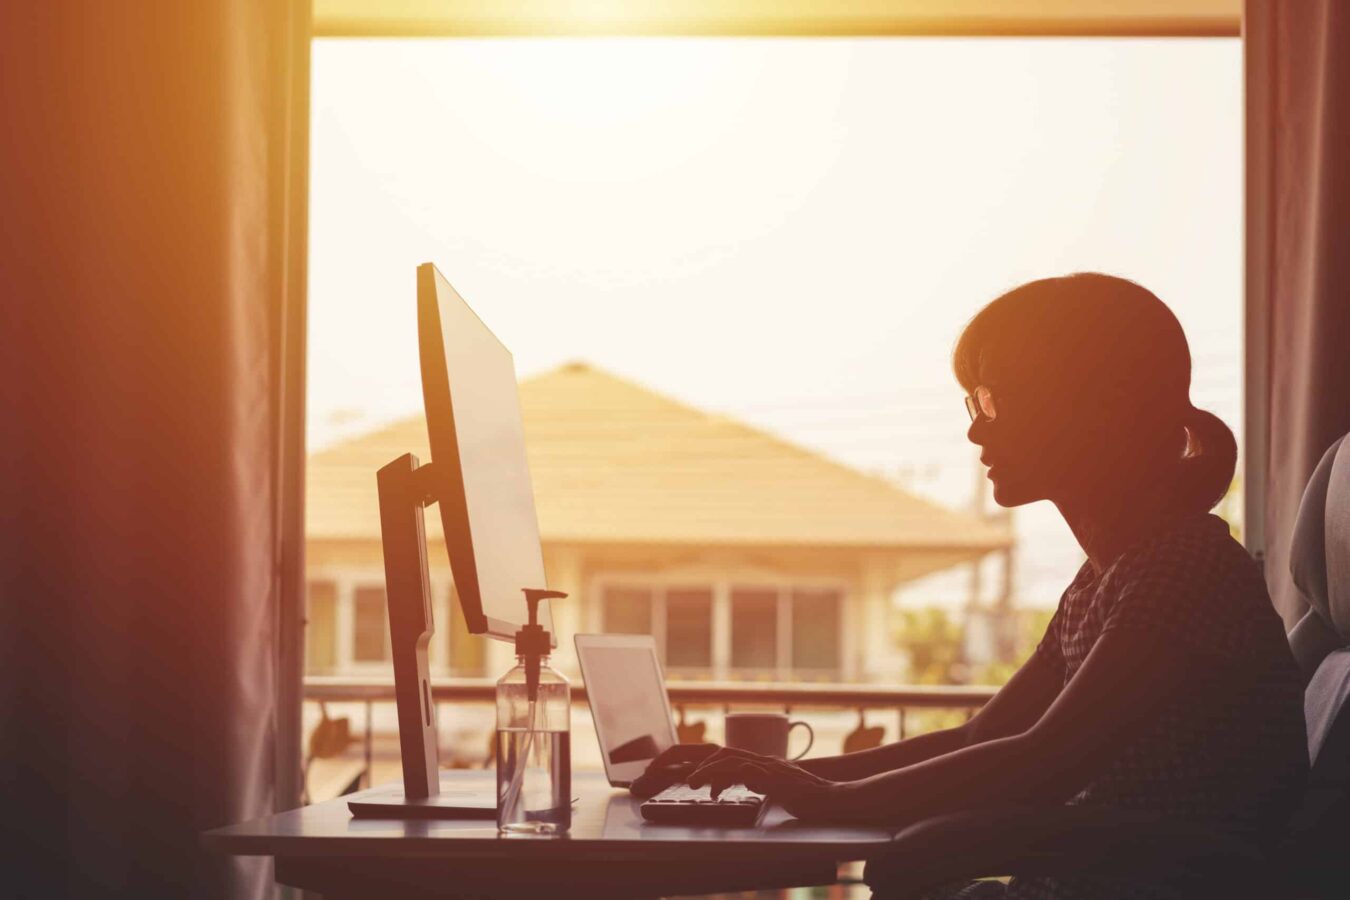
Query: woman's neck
[1107, 526]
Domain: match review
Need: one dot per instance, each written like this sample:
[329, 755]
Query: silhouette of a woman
[1164, 682]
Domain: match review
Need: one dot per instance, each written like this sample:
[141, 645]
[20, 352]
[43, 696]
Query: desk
[610, 852]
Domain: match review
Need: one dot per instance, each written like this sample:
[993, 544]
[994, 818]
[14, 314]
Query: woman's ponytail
[1206, 470]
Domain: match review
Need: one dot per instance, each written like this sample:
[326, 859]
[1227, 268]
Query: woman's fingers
[717, 774]
[670, 767]
[720, 782]
[685, 753]
[781, 787]
[724, 753]
[763, 781]
[800, 793]
[758, 777]
[752, 775]
[714, 766]
[733, 757]
[701, 774]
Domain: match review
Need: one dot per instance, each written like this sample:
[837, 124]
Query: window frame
[797, 18]
[310, 615]
[367, 18]
[722, 583]
[347, 660]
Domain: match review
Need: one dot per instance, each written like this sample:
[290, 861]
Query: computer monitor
[479, 477]
[478, 459]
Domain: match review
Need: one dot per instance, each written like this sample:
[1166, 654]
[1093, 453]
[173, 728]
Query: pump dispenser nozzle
[532, 642]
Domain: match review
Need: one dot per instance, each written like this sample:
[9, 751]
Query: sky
[788, 231]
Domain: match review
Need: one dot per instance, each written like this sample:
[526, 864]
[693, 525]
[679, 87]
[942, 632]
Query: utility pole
[1007, 616]
[973, 622]
[978, 501]
[1002, 618]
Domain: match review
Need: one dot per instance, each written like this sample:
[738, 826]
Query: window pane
[321, 627]
[830, 199]
[465, 653]
[754, 628]
[815, 630]
[628, 610]
[370, 627]
[689, 628]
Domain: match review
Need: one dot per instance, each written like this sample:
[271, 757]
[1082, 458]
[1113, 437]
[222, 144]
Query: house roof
[613, 462]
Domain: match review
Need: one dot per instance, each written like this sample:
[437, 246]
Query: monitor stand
[405, 490]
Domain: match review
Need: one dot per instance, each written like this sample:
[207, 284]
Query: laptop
[626, 691]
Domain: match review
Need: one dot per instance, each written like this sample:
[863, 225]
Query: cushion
[1338, 540]
[1324, 699]
[1309, 560]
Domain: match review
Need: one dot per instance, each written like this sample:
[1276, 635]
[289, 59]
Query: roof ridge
[612, 459]
[590, 368]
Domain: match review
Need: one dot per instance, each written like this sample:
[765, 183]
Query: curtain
[151, 253]
[1298, 263]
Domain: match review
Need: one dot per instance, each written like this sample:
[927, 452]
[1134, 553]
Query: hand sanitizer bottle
[534, 751]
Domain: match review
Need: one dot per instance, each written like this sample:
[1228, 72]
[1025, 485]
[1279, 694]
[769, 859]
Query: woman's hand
[802, 794]
[671, 767]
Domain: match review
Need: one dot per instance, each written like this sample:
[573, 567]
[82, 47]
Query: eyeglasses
[981, 403]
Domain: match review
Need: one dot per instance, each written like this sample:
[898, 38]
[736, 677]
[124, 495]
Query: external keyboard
[680, 804]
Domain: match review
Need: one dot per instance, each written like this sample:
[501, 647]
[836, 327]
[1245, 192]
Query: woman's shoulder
[1194, 577]
[1197, 548]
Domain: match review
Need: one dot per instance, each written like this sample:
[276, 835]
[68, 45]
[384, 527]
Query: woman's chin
[1007, 493]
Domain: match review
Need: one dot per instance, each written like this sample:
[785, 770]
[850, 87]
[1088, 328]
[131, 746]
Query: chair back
[1320, 563]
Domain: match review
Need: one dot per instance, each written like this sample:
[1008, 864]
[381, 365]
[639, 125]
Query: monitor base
[390, 802]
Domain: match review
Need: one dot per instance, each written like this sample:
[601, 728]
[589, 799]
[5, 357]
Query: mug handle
[810, 738]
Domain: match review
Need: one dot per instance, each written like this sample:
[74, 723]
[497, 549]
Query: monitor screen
[627, 697]
[482, 478]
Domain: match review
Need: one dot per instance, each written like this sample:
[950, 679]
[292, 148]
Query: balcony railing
[899, 699]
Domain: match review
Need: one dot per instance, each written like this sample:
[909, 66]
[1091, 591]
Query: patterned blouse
[1229, 747]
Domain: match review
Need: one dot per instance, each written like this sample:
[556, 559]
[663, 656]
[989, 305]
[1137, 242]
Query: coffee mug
[764, 733]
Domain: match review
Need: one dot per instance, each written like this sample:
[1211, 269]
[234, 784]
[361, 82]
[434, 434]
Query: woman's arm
[1122, 684]
[864, 763]
[1014, 709]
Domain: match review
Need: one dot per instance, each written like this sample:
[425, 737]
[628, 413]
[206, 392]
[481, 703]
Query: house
[747, 557]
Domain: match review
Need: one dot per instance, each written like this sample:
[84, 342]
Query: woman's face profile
[1039, 445]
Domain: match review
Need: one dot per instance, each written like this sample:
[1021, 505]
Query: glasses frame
[980, 402]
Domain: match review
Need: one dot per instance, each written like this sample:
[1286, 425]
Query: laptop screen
[628, 702]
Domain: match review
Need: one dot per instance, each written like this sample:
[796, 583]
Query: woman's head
[1090, 379]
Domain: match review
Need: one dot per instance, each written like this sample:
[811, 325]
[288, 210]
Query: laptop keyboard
[680, 804]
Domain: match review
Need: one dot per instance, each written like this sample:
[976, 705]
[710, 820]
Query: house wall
[865, 649]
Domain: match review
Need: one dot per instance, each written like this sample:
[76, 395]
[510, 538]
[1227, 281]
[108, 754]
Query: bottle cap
[532, 641]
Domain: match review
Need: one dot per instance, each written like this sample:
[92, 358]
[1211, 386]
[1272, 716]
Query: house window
[321, 627]
[628, 610]
[370, 625]
[679, 618]
[762, 630]
[816, 633]
[689, 628]
[754, 628]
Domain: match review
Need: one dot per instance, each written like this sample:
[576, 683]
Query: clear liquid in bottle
[543, 800]
[534, 752]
